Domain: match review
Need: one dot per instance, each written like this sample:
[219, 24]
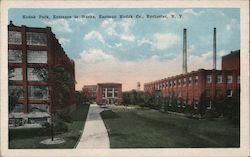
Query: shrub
[60, 126]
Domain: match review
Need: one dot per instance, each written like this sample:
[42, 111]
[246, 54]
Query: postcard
[124, 78]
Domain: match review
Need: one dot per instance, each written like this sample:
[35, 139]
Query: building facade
[90, 91]
[109, 93]
[33, 53]
[212, 86]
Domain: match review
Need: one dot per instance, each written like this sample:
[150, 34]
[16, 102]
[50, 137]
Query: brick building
[90, 91]
[109, 93]
[211, 85]
[32, 52]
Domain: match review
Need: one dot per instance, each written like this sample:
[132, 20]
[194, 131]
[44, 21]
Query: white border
[244, 130]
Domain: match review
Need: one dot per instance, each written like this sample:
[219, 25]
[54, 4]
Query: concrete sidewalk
[95, 134]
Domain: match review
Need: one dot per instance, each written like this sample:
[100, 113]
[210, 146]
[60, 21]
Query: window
[110, 92]
[179, 82]
[37, 74]
[209, 105]
[229, 79]
[166, 84]
[196, 104]
[116, 93]
[196, 80]
[36, 39]
[14, 37]
[15, 56]
[184, 81]
[190, 81]
[229, 93]
[38, 92]
[238, 79]
[219, 79]
[18, 108]
[37, 56]
[17, 90]
[38, 108]
[174, 83]
[178, 103]
[104, 92]
[209, 79]
[16, 74]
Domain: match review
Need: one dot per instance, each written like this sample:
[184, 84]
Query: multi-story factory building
[109, 93]
[189, 88]
[33, 53]
[213, 86]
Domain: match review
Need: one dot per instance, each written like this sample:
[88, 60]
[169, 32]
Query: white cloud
[116, 45]
[164, 41]
[144, 41]
[109, 26]
[60, 25]
[95, 56]
[128, 37]
[191, 49]
[192, 12]
[126, 24]
[94, 35]
[231, 25]
[64, 41]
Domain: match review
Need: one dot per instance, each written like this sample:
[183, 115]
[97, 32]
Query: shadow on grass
[109, 114]
[27, 133]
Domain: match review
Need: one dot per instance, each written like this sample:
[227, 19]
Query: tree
[202, 104]
[86, 95]
[61, 82]
[14, 94]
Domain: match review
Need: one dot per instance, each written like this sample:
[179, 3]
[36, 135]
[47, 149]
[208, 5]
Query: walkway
[95, 134]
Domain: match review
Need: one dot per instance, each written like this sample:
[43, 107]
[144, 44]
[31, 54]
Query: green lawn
[31, 138]
[152, 129]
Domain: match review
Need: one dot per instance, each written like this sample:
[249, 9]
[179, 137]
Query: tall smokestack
[214, 49]
[184, 63]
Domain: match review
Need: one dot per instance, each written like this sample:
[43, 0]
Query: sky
[142, 49]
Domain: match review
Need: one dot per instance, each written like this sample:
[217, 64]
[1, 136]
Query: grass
[30, 138]
[152, 129]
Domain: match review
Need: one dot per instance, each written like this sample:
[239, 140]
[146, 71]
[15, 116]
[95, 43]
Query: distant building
[30, 50]
[90, 91]
[109, 93]
[211, 85]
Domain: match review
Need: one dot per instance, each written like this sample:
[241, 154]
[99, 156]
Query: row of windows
[32, 108]
[32, 38]
[34, 92]
[15, 56]
[184, 81]
[33, 74]
[219, 79]
[109, 92]
[229, 93]
[178, 82]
